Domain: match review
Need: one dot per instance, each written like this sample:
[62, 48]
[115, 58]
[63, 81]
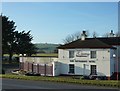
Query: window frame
[93, 54]
[71, 68]
[71, 53]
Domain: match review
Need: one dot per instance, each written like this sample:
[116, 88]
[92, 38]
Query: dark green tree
[14, 41]
[8, 43]
[24, 45]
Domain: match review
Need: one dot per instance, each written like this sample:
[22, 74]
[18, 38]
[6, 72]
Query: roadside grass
[106, 83]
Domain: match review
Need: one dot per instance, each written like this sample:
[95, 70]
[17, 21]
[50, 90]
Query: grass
[38, 54]
[15, 55]
[46, 54]
[108, 83]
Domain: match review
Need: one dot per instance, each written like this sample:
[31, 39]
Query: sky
[51, 22]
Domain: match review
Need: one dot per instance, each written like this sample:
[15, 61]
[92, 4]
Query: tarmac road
[12, 84]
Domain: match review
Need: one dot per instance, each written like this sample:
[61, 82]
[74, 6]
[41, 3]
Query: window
[71, 68]
[93, 54]
[93, 70]
[71, 54]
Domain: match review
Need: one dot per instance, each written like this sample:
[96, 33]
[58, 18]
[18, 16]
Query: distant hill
[46, 47]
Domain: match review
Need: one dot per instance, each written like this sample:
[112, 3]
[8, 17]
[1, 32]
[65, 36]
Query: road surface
[27, 84]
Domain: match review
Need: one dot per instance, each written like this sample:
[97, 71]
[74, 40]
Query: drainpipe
[45, 70]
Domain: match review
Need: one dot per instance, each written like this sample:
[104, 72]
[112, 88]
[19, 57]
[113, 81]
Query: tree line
[77, 35]
[15, 42]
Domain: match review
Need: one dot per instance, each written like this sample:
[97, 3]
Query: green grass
[39, 54]
[15, 55]
[108, 83]
[46, 54]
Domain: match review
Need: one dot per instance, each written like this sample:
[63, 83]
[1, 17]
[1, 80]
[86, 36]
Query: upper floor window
[93, 54]
[71, 54]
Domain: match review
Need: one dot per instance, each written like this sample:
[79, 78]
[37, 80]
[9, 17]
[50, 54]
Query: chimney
[111, 34]
[83, 35]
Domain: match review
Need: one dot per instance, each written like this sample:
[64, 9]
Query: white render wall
[103, 61]
[38, 60]
[56, 68]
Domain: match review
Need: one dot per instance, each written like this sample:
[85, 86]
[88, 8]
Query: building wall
[117, 58]
[102, 61]
[56, 68]
[105, 63]
[38, 59]
[113, 61]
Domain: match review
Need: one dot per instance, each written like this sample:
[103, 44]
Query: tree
[95, 34]
[8, 44]
[14, 41]
[55, 50]
[24, 45]
[75, 36]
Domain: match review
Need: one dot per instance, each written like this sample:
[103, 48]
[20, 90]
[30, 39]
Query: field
[46, 47]
[46, 54]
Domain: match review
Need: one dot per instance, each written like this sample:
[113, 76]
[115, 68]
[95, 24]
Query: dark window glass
[71, 68]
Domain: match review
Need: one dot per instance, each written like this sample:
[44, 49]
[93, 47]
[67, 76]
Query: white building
[90, 56]
[85, 56]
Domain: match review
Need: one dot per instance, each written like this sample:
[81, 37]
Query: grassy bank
[109, 83]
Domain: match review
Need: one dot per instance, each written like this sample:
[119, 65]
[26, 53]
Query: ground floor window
[93, 70]
[71, 68]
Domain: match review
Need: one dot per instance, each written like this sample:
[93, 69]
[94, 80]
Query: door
[71, 68]
[93, 70]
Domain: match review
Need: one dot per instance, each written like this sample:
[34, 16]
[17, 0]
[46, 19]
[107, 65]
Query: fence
[43, 69]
